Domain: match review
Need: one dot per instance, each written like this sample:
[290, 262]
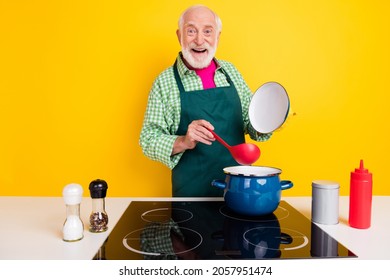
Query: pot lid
[245, 170]
[269, 107]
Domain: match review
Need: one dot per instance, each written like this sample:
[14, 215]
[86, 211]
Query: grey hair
[217, 18]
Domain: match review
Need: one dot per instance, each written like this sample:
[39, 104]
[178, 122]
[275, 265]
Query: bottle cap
[72, 194]
[361, 173]
[98, 188]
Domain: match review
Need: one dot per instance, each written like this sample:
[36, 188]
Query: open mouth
[199, 50]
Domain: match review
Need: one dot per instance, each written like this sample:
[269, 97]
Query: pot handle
[219, 184]
[285, 184]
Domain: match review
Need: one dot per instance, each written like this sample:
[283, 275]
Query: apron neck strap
[177, 77]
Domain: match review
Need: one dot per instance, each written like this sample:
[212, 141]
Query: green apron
[197, 168]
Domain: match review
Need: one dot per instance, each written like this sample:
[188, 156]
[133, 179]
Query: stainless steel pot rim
[251, 170]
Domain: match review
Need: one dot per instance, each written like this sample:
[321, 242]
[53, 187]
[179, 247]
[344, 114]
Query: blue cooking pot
[252, 190]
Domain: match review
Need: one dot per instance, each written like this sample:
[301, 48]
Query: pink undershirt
[207, 75]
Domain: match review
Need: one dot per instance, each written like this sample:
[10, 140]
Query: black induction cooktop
[209, 230]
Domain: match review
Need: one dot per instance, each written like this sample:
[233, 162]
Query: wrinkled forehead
[200, 17]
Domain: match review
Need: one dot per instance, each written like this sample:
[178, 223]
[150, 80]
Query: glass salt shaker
[73, 229]
[98, 218]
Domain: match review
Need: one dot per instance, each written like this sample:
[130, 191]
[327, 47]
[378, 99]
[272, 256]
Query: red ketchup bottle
[360, 198]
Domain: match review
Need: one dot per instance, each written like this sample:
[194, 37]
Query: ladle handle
[220, 139]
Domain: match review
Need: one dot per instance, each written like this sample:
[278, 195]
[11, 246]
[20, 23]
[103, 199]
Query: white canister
[325, 202]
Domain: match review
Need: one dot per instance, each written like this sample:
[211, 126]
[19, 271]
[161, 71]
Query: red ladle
[244, 154]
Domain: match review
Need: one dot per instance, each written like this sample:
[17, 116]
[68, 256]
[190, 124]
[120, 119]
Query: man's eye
[191, 32]
[208, 32]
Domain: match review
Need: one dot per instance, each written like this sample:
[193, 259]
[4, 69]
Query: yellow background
[75, 76]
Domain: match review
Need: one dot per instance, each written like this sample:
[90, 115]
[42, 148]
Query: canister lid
[325, 184]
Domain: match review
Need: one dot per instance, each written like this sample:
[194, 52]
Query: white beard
[195, 63]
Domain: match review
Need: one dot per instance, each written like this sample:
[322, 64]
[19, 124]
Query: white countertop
[31, 227]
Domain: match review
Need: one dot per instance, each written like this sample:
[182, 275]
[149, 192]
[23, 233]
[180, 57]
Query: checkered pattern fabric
[156, 238]
[162, 115]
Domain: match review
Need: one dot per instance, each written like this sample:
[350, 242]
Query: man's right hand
[198, 131]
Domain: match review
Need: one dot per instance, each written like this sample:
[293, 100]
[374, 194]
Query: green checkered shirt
[162, 115]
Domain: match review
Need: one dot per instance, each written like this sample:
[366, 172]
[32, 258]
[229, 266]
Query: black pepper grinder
[99, 218]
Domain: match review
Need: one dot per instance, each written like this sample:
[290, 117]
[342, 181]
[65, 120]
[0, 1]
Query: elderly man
[197, 94]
